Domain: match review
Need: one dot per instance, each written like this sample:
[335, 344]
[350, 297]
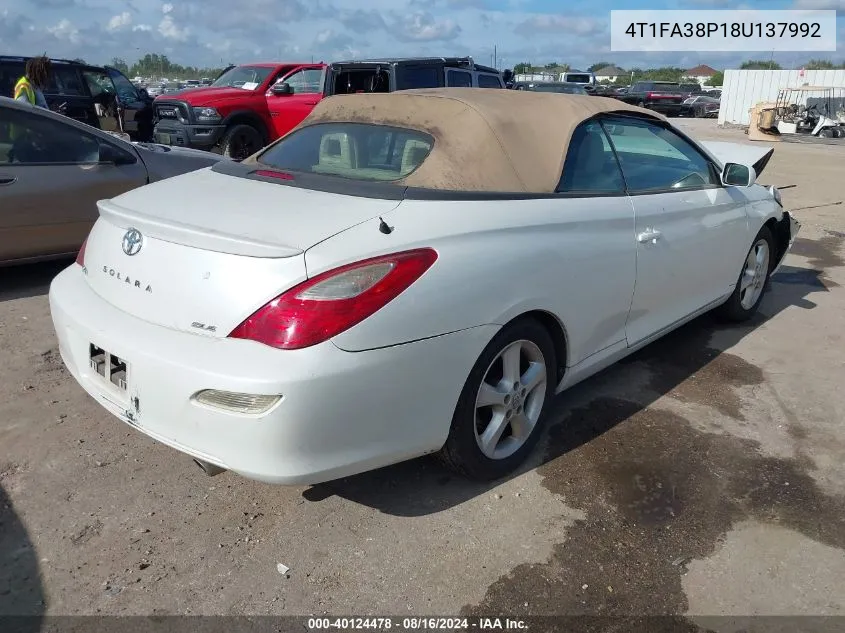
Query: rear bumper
[341, 412]
[204, 137]
[669, 109]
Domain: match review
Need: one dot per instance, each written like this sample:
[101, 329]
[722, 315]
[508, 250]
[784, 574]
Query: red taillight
[80, 257]
[334, 301]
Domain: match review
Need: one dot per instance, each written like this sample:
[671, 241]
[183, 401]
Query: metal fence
[744, 88]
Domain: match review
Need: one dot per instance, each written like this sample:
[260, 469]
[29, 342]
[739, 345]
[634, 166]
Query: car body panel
[47, 209]
[326, 425]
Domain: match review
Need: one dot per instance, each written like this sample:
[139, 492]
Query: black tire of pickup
[241, 141]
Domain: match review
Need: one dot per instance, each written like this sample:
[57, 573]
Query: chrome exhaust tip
[208, 468]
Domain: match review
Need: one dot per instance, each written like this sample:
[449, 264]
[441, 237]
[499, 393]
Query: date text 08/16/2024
[415, 624]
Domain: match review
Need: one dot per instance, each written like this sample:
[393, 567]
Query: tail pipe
[208, 468]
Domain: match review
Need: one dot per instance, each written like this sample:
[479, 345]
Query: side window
[488, 81]
[654, 158]
[65, 81]
[590, 166]
[420, 77]
[28, 139]
[458, 78]
[305, 81]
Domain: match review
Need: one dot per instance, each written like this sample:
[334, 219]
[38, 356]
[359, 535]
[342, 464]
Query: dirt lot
[704, 475]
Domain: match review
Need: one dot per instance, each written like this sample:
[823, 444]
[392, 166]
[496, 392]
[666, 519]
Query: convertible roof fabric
[485, 139]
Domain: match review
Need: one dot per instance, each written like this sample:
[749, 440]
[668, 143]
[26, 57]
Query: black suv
[89, 94]
[387, 75]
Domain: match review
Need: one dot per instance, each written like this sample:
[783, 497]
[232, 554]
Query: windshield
[581, 79]
[563, 88]
[358, 151]
[246, 77]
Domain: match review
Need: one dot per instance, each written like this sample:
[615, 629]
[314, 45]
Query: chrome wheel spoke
[521, 426]
[747, 279]
[489, 440]
[533, 376]
[510, 363]
[490, 396]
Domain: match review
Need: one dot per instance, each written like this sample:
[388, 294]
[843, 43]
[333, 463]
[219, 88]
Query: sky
[209, 33]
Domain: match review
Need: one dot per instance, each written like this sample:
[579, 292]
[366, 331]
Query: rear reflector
[244, 403]
[334, 301]
[268, 173]
[80, 257]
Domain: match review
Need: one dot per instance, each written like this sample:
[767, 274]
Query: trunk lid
[213, 248]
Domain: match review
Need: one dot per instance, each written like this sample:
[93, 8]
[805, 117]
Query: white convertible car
[409, 273]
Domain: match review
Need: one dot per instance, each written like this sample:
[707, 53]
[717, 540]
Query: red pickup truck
[246, 108]
[249, 106]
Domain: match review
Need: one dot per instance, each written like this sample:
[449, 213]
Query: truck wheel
[241, 141]
[826, 133]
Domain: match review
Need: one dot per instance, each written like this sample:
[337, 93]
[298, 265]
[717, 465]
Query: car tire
[699, 113]
[826, 133]
[241, 141]
[489, 441]
[753, 280]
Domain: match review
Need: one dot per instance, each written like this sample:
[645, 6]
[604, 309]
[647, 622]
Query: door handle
[7, 180]
[649, 235]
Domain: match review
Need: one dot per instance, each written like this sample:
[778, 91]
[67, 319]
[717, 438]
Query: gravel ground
[703, 475]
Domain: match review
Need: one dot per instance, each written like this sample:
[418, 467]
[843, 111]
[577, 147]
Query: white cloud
[143, 28]
[423, 27]
[169, 30]
[560, 24]
[65, 30]
[166, 8]
[118, 22]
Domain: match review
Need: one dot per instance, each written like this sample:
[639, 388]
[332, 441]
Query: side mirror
[282, 89]
[737, 175]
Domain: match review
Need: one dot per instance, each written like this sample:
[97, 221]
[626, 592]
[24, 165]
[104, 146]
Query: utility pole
[495, 58]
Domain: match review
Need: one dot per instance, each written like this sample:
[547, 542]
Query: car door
[690, 230]
[596, 226]
[288, 110]
[67, 93]
[52, 173]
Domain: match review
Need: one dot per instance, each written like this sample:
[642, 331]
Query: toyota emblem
[132, 242]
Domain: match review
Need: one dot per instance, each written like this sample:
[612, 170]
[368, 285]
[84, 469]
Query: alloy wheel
[510, 399]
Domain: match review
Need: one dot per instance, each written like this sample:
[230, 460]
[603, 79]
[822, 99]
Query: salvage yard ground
[703, 475]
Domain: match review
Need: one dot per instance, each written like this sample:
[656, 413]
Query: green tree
[718, 79]
[551, 65]
[820, 64]
[598, 65]
[521, 68]
[120, 64]
[758, 64]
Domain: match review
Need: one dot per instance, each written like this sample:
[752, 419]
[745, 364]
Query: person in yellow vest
[30, 87]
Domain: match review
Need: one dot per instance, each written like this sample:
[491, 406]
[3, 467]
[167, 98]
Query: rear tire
[241, 141]
[502, 408]
[753, 280]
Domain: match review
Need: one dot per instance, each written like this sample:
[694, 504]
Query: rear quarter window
[358, 151]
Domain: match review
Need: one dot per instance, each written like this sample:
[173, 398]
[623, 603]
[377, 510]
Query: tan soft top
[485, 139]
